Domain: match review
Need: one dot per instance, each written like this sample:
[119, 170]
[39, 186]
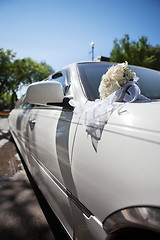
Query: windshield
[91, 74]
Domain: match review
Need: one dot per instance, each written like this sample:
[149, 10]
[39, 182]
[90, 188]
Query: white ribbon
[96, 113]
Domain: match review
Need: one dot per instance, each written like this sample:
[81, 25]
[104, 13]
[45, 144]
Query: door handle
[32, 123]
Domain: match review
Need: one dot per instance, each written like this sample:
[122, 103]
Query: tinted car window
[63, 78]
[59, 78]
[149, 82]
[91, 74]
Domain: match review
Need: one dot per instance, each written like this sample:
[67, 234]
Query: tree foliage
[139, 52]
[5, 101]
[16, 72]
[6, 69]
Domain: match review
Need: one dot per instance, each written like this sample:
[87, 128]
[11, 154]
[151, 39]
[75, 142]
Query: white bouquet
[119, 82]
[116, 77]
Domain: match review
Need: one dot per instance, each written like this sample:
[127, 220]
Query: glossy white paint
[44, 92]
[85, 180]
[125, 169]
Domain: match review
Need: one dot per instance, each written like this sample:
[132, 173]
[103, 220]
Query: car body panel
[51, 156]
[116, 176]
[85, 178]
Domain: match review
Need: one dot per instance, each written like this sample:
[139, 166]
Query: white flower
[115, 78]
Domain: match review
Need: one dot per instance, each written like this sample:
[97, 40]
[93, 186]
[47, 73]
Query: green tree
[139, 53]
[27, 71]
[16, 72]
[6, 60]
[5, 101]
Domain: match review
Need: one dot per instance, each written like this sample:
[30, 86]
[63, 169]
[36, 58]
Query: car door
[50, 135]
[17, 120]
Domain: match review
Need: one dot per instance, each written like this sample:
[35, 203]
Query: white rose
[107, 86]
[115, 78]
[118, 73]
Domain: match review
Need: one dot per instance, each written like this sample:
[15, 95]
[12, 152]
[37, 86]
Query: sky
[60, 32]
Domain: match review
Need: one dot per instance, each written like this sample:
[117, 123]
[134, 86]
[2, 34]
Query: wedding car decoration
[117, 87]
[115, 78]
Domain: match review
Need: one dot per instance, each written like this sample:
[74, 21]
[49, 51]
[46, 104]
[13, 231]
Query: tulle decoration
[96, 113]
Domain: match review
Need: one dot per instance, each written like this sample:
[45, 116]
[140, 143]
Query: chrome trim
[50, 174]
[138, 217]
[72, 198]
[83, 209]
[32, 123]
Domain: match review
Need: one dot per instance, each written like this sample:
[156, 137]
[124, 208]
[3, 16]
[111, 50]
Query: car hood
[139, 119]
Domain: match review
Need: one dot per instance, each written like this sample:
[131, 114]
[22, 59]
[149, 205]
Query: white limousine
[96, 161]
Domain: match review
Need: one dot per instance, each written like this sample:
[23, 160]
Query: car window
[91, 75]
[149, 82]
[19, 103]
[60, 77]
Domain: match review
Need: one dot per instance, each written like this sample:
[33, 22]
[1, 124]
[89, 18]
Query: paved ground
[9, 159]
[20, 214]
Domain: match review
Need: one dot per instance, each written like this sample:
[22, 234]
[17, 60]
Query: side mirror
[44, 92]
